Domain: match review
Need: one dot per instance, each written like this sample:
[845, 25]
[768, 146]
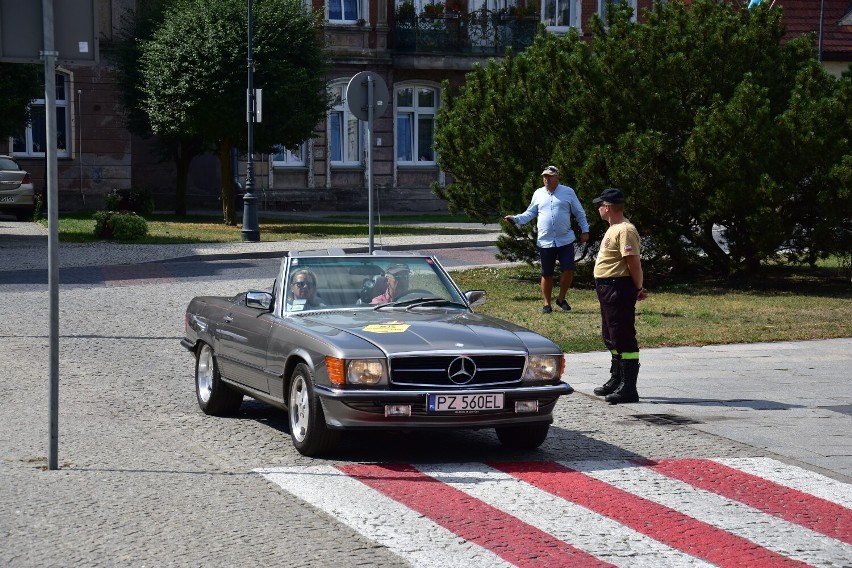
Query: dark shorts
[548, 257]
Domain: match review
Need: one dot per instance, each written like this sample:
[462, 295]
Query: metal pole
[251, 230]
[49, 56]
[370, 158]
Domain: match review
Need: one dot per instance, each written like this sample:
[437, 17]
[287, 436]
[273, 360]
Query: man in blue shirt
[554, 204]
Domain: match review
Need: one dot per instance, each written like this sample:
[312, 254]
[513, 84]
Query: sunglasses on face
[303, 284]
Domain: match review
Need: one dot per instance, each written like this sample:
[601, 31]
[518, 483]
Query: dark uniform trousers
[617, 297]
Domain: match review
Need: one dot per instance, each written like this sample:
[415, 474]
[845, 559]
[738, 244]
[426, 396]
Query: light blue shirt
[554, 212]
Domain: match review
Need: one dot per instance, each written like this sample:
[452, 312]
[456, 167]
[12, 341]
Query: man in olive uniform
[619, 285]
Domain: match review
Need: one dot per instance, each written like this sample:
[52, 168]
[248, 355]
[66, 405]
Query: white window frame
[338, 94]
[287, 153]
[359, 15]
[63, 128]
[416, 113]
[574, 15]
[602, 8]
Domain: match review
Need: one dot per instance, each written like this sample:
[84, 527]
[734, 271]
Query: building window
[288, 157]
[415, 124]
[602, 8]
[561, 14]
[344, 132]
[343, 11]
[32, 141]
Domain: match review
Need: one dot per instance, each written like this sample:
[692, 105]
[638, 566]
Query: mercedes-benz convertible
[372, 341]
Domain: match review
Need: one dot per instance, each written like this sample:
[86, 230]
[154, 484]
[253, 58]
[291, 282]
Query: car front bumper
[365, 409]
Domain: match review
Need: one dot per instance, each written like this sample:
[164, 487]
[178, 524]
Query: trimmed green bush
[138, 201]
[119, 225]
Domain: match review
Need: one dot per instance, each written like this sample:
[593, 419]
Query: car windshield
[368, 282]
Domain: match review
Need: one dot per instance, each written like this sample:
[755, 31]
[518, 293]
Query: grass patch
[796, 304]
[169, 229]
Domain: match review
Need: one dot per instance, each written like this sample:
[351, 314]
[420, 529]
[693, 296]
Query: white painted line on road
[794, 477]
[791, 540]
[405, 532]
[596, 534]
[687, 512]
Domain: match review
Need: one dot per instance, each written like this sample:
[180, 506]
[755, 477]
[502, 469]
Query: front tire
[522, 437]
[214, 396]
[311, 435]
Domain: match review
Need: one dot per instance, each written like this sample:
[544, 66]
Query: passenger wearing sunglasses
[303, 291]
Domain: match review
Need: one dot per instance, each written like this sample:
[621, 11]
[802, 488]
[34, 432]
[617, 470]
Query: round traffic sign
[357, 95]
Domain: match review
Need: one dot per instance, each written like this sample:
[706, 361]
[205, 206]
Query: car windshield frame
[353, 282]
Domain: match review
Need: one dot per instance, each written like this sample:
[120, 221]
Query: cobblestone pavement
[146, 479]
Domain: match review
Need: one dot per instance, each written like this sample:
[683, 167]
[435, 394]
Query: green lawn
[168, 229]
[787, 305]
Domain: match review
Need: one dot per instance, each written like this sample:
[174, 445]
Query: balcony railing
[479, 32]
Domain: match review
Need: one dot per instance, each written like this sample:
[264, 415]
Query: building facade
[413, 45]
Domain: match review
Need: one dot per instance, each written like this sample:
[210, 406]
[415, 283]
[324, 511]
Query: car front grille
[436, 370]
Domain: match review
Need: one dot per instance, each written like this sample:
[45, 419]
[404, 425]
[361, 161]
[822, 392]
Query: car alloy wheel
[311, 436]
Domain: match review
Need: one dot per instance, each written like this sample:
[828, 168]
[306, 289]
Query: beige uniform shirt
[620, 240]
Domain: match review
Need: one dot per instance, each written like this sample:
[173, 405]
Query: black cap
[609, 195]
[398, 270]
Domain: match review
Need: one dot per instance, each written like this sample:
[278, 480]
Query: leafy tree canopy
[193, 75]
[194, 71]
[19, 84]
[711, 126]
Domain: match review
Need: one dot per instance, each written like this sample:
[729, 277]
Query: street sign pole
[49, 56]
[367, 99]
[370, 110]
[76, 40]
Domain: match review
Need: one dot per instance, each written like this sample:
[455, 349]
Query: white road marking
[596, 534]
[734, 517]
[405, 532]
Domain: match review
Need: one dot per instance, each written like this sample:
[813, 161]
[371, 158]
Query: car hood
[436, 330]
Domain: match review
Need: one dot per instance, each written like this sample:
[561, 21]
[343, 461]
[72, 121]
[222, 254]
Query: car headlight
[366, 372]
[544, 367]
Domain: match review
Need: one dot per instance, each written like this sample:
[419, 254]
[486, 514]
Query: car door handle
[228, 319]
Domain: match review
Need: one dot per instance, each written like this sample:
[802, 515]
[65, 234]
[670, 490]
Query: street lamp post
[251, 230]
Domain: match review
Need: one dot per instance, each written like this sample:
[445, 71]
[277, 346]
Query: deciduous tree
[193, 76]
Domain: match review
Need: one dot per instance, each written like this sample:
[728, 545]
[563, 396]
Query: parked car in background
[360, 342]
[17, 195]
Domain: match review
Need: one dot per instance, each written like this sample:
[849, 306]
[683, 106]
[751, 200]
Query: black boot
[611, 385]
[626, 391]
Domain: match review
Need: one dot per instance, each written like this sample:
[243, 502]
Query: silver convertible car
[358, 341]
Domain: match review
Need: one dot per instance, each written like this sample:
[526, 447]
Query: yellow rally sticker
[389, 327]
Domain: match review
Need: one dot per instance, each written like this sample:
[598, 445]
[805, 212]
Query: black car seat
[372, 287]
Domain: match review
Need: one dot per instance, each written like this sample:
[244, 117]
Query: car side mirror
[475, 297]
[260, 300]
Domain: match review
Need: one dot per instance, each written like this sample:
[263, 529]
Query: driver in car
[303, 291]
[397, 278]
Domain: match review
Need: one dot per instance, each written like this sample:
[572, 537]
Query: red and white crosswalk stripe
[588, 513]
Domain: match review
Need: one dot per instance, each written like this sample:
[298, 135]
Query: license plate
[7, 199]
[465, 402]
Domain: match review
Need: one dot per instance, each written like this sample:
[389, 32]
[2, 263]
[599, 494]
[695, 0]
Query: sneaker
[546, 310]
[564, 305]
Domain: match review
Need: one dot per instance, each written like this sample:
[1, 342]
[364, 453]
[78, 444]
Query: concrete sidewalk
[790, 398]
